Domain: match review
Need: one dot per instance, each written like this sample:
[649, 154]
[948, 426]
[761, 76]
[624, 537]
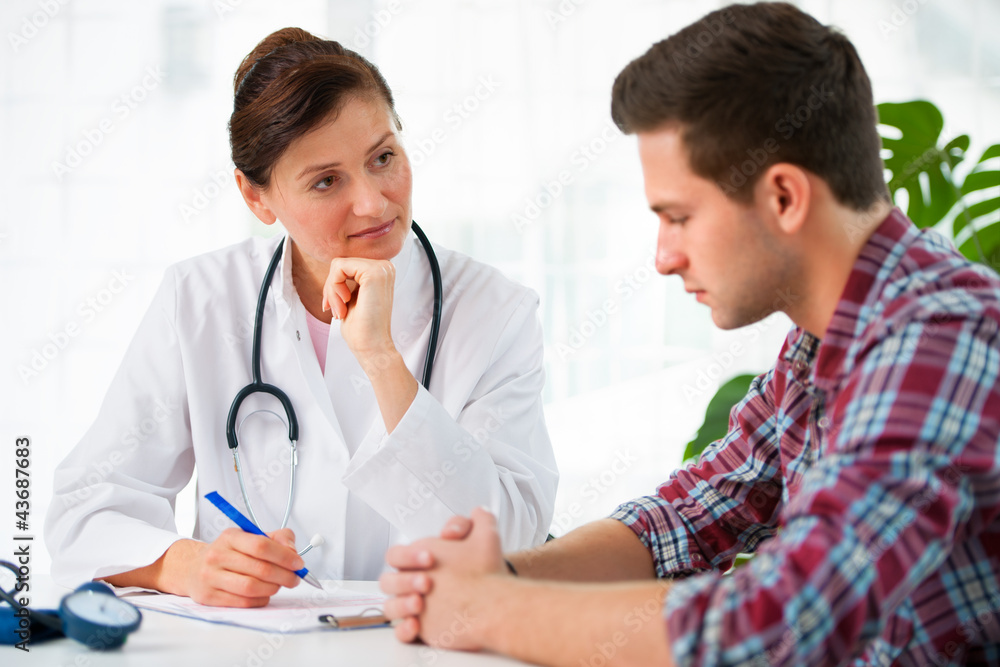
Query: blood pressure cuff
[22, 625]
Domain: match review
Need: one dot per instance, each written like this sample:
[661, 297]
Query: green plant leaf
[917, 152]
[989, 239]
[991, 152]
[982, 179]
[716, 423]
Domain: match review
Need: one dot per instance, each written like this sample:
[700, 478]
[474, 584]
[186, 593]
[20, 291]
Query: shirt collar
[865, 287]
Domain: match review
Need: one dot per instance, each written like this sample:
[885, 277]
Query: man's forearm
[572, 624]
[604, 550]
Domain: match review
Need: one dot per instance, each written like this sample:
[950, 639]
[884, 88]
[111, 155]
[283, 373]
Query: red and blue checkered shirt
[863, 470]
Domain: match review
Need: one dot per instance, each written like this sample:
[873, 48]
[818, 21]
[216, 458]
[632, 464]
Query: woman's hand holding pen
[360, 292]
[239, 569]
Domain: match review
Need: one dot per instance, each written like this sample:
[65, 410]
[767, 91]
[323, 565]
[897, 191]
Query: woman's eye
[325, 183]
[677, 221]
[383, 159]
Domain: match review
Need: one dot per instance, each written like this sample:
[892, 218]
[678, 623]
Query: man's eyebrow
[660, 207]
[331, 165]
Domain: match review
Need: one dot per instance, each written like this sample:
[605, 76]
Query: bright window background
[505, 107]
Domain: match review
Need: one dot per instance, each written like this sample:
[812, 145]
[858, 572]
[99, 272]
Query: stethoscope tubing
[257, 385]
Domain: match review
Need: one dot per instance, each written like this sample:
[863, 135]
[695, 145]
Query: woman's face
[343, 189]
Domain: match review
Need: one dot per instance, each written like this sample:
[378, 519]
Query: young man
[863, 469]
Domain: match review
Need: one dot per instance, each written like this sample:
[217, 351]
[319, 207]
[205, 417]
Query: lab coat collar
[291, 317]
[286, 286]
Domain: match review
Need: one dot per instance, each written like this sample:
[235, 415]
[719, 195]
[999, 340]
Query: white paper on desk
[290, 610]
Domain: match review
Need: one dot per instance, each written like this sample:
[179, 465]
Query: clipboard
[369, 618]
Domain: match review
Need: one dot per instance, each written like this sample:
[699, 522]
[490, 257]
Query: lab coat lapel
[292, 322]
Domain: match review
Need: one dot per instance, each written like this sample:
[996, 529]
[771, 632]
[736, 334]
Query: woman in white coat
[381, 459]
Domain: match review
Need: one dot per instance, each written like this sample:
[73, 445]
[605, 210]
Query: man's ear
[784, 195]
[251, 196]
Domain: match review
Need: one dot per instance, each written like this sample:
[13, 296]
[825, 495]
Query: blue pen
[247, 525]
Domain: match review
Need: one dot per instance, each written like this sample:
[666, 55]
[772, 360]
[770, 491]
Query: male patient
[863, 469]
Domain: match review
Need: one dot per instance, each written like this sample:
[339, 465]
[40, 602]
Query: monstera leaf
[979, 237]
[917, 152]
[926, 172]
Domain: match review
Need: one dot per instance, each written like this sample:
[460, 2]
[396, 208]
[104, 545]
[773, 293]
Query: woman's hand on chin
[359, 292]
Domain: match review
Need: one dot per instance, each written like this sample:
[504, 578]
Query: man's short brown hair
[753, 85]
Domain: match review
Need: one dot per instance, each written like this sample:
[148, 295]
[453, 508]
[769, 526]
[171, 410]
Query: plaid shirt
[864, 470]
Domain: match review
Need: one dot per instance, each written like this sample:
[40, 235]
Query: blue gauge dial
[93, 615]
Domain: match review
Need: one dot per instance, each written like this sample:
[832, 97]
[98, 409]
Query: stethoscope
[257, 386]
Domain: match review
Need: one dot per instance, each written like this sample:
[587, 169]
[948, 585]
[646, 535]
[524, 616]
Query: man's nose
[669, 258]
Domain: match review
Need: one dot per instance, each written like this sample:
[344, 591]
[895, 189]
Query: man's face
[723, 250]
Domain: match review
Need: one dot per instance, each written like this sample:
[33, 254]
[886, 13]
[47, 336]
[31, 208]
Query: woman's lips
[375, 232]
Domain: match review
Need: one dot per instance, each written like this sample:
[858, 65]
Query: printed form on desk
[290, 610]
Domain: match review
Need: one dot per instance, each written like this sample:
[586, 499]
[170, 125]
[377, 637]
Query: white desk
[172, 641]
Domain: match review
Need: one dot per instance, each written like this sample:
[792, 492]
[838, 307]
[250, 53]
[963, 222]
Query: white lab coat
[476, 438]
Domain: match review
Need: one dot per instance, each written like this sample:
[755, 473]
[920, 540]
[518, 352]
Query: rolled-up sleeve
[724, 504]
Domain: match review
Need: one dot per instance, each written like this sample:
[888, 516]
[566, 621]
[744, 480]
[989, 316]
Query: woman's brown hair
[290, 83]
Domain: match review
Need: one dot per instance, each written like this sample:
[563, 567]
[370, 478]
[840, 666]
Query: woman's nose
[369, 202]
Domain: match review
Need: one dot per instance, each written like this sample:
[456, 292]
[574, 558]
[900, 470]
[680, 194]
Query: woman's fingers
[249, 567]
[359, 283]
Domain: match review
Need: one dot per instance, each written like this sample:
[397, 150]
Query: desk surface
[173, 641]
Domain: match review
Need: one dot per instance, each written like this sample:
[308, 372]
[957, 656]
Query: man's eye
[677, 221]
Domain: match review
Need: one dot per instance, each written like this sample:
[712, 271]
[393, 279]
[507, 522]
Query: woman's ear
[252, 196]
[784, 195]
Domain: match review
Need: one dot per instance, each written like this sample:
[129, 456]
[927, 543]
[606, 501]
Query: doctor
[345, 330]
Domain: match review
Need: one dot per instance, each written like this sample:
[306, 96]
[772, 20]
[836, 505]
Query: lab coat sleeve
[495, 453]
[113, 509]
